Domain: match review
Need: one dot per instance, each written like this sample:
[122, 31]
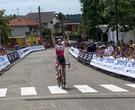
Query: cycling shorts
[60, 60]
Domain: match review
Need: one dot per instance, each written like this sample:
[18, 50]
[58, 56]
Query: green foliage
[46, 31]
[74, 18]
[4, 27]
[46, 34]
[74, 36]
[62, 18]
[10, 17]
[96, 12]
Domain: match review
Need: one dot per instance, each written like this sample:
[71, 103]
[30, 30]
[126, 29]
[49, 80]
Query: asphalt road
[31, 85]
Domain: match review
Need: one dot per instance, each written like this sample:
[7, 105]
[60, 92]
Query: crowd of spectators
[126, 50]
[121, 49]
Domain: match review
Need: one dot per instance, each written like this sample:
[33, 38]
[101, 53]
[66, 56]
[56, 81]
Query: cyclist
[60, 59]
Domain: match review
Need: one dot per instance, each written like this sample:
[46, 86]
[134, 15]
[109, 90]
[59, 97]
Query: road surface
[31, 85]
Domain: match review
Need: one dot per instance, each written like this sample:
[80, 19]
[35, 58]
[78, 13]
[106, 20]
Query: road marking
[113, 88]
[28, 91]
[3, 92]
[85, 88]
[57, 90]
[131, 85]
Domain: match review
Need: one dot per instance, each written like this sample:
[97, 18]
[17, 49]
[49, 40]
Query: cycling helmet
[59, 40]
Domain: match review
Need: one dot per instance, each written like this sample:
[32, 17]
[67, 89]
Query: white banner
[119, 66]
[25, 51]
[4, 62]
[74, 51]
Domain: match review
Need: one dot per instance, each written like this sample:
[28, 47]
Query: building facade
[20, 27]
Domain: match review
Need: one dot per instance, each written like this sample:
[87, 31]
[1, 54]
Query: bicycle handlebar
[65, 64]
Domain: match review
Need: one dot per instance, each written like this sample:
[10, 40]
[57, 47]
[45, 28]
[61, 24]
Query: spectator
[2, 51]
[91, 48]
[117, 53]
[130, 53]
[110, 49]
[100, 50]
[17, 46]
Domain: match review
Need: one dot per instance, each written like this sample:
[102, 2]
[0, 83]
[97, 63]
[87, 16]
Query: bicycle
[60, 79]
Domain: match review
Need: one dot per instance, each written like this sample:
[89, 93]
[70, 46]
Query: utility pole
[0, 36]
[40, 25]
[1, 31]
[97, 24]
[116, 7]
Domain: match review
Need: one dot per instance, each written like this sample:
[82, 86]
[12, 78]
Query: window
[51, 22]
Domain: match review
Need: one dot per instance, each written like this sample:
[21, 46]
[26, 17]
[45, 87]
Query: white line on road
[56, 90]
[113, 88]
[131, 85]
[85, 88]
[28, 91]
[3, 92]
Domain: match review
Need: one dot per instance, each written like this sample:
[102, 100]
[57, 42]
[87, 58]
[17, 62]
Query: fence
[121, 66]
[10, 58]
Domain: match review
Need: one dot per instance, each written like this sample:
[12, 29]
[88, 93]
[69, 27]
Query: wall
[51, 25]
[122, 36]
[19, 31]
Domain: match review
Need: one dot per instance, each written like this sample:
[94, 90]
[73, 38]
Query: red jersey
[59, 50]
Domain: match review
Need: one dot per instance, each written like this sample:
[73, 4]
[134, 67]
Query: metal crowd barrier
[12, 57]
[6, 61]
[119, 66]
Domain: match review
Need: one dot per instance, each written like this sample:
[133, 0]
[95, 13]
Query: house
[19, 28]
[125, 36]
[72, 26]
[49, 20]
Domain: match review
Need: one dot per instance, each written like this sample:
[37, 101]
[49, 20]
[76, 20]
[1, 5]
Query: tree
[97, 12]
[4, 27]
[62, 18]
[126, 14]
[92, 15]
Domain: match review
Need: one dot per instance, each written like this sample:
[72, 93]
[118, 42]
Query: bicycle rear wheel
[59, 78]
[58, 82]
[63, 85]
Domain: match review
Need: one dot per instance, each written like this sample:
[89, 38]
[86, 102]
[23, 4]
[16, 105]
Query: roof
[13, 37]
[45, 16]
[22, 22]
[71, 23]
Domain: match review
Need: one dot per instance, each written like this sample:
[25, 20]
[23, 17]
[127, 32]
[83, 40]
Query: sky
[22, 7]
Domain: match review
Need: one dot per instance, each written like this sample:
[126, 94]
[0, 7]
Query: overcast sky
[25, 6]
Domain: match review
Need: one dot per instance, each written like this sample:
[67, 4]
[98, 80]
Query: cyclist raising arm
[60, 59]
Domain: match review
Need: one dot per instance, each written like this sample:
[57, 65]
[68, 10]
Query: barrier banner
[80, 56]
[12, 57]
[8, 59]
[4, 62]
[130, 67]
[85, 57]
[23, 52]
[121, 66]
[108, 63]
[89, 57]
[73, 51]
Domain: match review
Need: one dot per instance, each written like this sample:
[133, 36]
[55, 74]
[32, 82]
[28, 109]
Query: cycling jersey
[59, 50]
